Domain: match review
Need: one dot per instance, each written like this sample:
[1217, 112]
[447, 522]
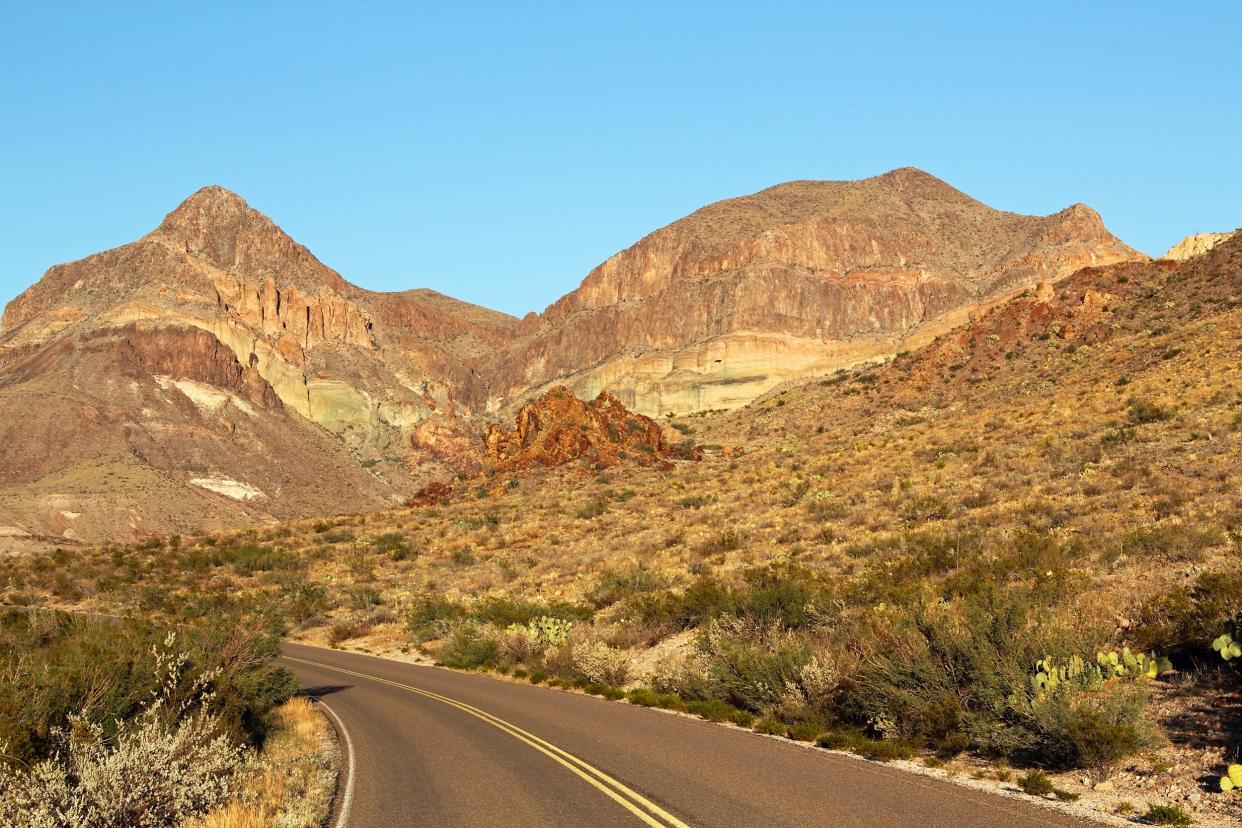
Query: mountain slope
[312, 395]
[796, 280]
[218, 349]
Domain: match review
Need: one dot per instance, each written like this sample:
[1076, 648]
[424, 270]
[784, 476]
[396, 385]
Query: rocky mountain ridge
[217, 348]
[796, 280]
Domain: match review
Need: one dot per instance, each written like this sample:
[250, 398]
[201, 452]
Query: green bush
[618, 586]
[1184, 621]
[1140, 411]
[771, 595]
[803, 731]
[430, 616]
[645, 697]
[1036, 783]
[770, 726]
[752, 669]
[1167, 815]
[394, 545]
[103, 670]
[881, 750]
[605, 690]
[935, 672]
[470, 647]
[718, 711]
[1106, 728]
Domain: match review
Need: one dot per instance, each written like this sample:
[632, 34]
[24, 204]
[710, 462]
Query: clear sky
[497, 152]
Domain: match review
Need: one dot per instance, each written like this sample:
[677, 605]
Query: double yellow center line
[634, 802]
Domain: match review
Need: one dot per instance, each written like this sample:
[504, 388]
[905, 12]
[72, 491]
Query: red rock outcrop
[559, 427]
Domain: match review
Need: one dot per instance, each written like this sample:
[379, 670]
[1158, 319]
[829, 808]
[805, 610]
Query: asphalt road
[426, 746]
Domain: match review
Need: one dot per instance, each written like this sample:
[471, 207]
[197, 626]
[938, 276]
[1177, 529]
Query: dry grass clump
[290, 783]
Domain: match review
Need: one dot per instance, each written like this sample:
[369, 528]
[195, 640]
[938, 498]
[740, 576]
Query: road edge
[343, 795]
[909, 767]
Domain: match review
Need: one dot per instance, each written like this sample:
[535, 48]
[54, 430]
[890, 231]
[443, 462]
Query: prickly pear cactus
[1080, 675]
[1232, 779]
[1228, 647]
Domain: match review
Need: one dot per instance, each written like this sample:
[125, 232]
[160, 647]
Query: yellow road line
[588, 773]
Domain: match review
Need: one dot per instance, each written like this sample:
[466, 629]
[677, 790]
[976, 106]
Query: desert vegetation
[1018, 546]
[107, 721]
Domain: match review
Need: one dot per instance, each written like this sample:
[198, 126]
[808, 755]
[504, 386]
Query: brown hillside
[796, 280]
[396, 389]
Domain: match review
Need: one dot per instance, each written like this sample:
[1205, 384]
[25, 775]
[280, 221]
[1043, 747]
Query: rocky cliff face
[1195, 245]
[796, 280]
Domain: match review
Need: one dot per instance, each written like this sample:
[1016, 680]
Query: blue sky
[497, 152]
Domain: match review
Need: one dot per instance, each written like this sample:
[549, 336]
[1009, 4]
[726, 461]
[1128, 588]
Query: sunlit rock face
[1195, 245]
[796, 280]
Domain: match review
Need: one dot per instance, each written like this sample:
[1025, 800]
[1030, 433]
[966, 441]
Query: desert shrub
[880, 750]
[1140, 411]
[171, 759]
[593, 509]
[101, 670]
[304, 602]
[705, 599]
[605, 690]
[394, 545]
[1172, 541]
[471, 646]
[715, 710]
[250, 558]
[149, 775]
[646, 697]
[520, 645]
[803, 731]
[617, 586]
[1035, 783]
[936, 672]
[751, 667]
[342, 631]
[769, 726]
[1184, 621]
[1092, 730]
[785, 596]
[364, 597]
[430, 617]
[504, 611]
[1167, 815]
[727, 540]
[598, 663]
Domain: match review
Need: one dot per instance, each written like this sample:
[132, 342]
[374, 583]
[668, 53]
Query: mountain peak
[218, 226]
[211, 206]
[213, 195]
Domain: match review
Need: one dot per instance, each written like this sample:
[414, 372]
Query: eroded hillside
[145, 362]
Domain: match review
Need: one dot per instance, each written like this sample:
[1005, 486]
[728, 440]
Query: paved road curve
[435, 747]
